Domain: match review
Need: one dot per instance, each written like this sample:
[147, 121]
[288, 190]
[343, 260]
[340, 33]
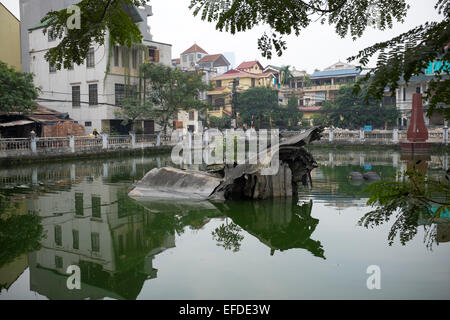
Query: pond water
[78, 213]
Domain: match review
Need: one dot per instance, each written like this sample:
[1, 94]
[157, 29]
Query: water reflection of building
[90, 223]
[96, 227]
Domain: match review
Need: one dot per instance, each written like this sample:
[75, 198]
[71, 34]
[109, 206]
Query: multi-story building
[324, 85]
[247, 75]
[195, 59]
[295, 86]
[92, 93]
[10, 39]
[418, 84]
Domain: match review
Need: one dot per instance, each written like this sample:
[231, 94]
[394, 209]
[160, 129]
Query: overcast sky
[317, 47]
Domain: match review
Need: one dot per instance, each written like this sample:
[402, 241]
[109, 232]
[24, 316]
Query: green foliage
[228, 236]
[354, 111]
[17, 90]
[263, 101]
[98, 17]
[286, 75]
[133, 109]
[171, 90]
[413, 196]
[408, 55]
[19, 234]
[220, 123]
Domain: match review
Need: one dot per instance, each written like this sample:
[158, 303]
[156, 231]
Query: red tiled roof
[249, 64]
[193, 49]
[210, 58]
[177, 61]
[310, 109]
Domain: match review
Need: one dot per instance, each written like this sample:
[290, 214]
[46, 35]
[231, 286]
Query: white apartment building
[91, 93]
[404, 97]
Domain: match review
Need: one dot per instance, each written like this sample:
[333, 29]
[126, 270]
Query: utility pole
[233, 103]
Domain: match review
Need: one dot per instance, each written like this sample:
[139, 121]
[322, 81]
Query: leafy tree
[17, 90]
[286, 75]
[220, 123]
[133, 109]
[353, 111]
[228, 236]
[415, 195]
[260, 101]
[406, 55]
[172, 90]
[263, 103]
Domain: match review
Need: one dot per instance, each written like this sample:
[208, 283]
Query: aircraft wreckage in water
[232, 182]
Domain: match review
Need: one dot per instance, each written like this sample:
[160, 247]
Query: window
[191, 57]
[75, 239]
[218, 83]
[90, 60]
[51, 36]
[58, 235]
[96, 207]
[153, 55]
[404, 94]
[134, 58]
[185, 58]
[58, 262]
[116, 56]
[51, 68]
[93, 95]
[253, 82]
[191, 115]
[95, 242]
[199, 56]
[119, 93]
[88, 124]
[79, 205]
[76, 96]
[125, 57]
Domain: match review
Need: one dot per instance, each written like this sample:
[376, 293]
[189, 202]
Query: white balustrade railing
[52, 143]
[15, 144]
[119, 140]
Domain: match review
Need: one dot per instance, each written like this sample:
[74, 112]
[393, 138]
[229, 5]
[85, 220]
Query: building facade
[92, 93]
[324, 85]
[10, 39]
[247, 74]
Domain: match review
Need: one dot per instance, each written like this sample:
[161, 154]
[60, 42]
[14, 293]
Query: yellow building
[9, 39]
[250, 74]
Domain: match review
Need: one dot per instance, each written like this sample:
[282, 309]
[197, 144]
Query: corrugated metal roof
[335, 73]
[16, 123]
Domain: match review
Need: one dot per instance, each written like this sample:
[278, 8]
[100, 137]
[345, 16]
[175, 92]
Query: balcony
[326, 87]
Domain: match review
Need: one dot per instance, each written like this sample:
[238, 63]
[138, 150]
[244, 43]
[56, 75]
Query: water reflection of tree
[228, 236]
[20, 232]
[281, 224]
[414, 199]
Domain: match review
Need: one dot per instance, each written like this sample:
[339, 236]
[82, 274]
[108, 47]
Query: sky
[317, 47]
